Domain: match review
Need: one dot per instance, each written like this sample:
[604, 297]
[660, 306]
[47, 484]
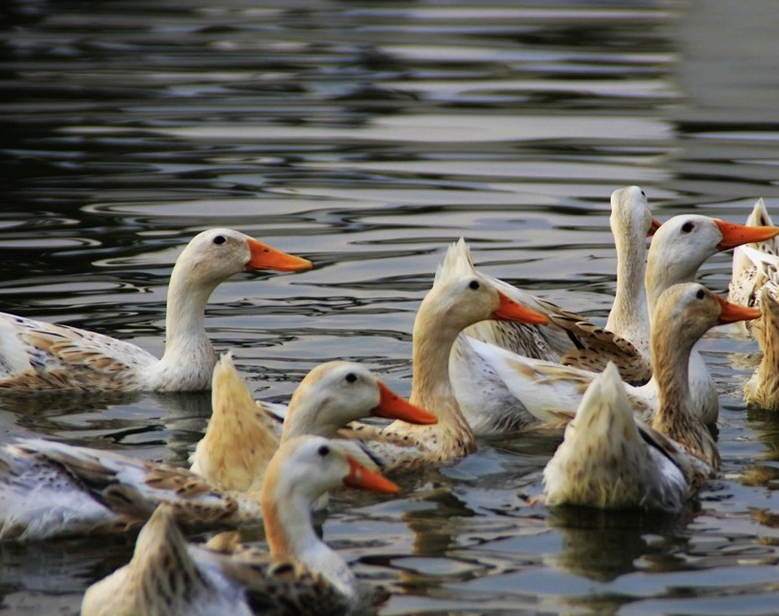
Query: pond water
[366, 136]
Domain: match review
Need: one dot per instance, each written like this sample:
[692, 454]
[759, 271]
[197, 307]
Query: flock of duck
[636, 398]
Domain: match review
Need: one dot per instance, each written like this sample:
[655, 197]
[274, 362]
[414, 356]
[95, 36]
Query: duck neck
[662, 274]
[291, 537]
[629, 316]
[675, 416]
[430, 386]
[186, 340]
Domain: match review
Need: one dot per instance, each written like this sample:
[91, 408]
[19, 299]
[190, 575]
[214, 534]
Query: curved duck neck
[675, 416]
[662, 274]
[431, 387]
[291, 537]
[186, 342]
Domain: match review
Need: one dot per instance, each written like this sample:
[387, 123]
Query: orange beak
[362, 477]
[656, 224]
[735, 235]
[393, 406]
[266, 257]
[733, 312]
[509, 310]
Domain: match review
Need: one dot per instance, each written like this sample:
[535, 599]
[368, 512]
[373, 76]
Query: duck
[37, 356]
[762, 389]
[50, 489]
[748, 274]
[538, 389]
[685, 311]
[460, 296]
[568, 338]
[299, 574]
[243, 434]
[611, 460]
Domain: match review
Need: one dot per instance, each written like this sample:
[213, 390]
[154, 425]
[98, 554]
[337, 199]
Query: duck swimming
[460, 297]
[609, 460]
[50, 489]
[36, 356]
[244, 434]
[539, 389]
[567, 338]
[301, 574]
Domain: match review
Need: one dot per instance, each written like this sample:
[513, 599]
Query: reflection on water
[366, 136]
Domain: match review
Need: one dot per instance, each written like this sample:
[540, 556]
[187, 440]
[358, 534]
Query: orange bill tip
[734, 234]
[656, 224]
[510, 310]
[360, 476]
[733, 312]
[267, 257]
[393, 406]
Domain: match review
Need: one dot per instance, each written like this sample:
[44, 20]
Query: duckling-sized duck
[684, 312]
[301, 575]
[50, 489]
[609, 460]
[567, 338]
[678, 249]
[35, 355]
[460, 297]
[244, 434]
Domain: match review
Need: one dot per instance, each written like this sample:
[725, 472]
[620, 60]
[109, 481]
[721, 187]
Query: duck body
[50, 489]
[609, 461]
[671, 387]
[36, 356]
[678, 248]
[244, 434]
[460, 296]
[568, 338]
[301, 574]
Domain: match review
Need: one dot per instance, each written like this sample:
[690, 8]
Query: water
[366, 136]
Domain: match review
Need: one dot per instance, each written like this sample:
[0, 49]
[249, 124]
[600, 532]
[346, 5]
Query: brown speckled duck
[301, 575]
[608, 459]
[35, 355]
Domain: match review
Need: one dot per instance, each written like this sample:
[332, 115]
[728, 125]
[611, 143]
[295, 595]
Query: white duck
[567, 338]
[35, 355]
[681, 245]
[749, 274]
[609, 460]
[302, 574]
[50, 489]
[460, 296]
[243, 434]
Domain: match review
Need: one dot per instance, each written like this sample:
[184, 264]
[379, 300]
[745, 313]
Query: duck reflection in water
[603, 545]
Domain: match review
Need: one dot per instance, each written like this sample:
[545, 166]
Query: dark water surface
[366, 136]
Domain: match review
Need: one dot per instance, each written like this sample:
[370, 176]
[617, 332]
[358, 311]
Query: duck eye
[474, 284]
[351, 377]
[687, 227]
[323, 451]
[700, 294]
[643, 194]
[219, 239]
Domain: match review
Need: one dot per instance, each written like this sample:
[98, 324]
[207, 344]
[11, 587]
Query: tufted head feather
[458, 263]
